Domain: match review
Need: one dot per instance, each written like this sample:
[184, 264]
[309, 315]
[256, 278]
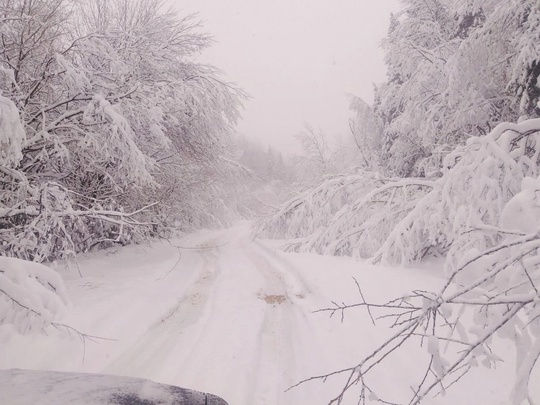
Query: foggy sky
[298, 59]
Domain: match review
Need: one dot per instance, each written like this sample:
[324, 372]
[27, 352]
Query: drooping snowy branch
[32, 296]
[480, 178]
[304, 214]
[345, 215]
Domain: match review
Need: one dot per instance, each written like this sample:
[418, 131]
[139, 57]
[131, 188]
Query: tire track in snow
[295, 331]
[275, 359]
[154, 351]
[233, 332]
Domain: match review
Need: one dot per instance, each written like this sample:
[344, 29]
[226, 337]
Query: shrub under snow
[302, 215]
[32, 296]
[350, 214]
[463, 209]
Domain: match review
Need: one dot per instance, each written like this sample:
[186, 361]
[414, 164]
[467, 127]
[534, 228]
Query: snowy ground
[234, 317]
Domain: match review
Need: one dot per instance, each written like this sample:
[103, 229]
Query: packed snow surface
[219, 312]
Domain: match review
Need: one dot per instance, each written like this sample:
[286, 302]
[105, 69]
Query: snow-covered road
[221, 313]
[233, 324]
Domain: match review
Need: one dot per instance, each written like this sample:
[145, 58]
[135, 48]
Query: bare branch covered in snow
[350, 214]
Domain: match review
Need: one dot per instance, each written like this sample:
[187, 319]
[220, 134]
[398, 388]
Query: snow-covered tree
[313, 209]
[458, 73]
[367, 133]
[455, 70]
[315, 161]
[417, 48]
[350, 214]
[480, 178]
[117, 117]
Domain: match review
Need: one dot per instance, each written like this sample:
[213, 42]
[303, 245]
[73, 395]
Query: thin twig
[364, 300]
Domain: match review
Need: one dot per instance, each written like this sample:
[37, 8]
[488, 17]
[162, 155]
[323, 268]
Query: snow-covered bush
[32, 296]
[50, 223]
[350, 214]
[313, 209]
[359, 229]
[466, 203]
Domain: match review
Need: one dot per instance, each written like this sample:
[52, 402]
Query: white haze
[297, 59]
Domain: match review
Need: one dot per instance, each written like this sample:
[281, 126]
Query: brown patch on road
[272, 299]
